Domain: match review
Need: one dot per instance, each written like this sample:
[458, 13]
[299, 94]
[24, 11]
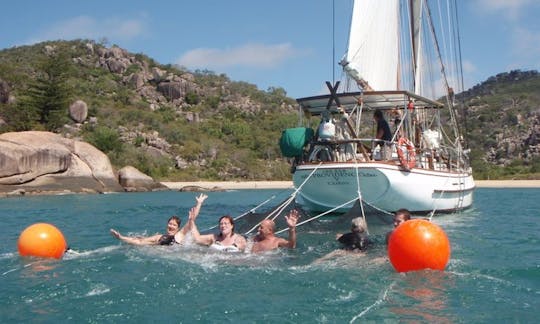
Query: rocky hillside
[502, 123]
[165, 121]
[184, 125]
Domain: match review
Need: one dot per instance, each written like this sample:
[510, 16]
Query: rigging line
[376, 303]
[333, 41]
[460, 73]
[378, 209]
[293, 195]
[302, 184]
[246, 213]
[435, 200]
[281, 208]
[15, 269]
[277, 211]
[443, 70]
[319, 216]
[359, 191]
[436, 43]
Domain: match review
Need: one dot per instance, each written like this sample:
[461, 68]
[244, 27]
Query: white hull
[383, 185]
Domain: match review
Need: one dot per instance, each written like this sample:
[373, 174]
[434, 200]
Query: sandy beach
[507, 183]
[232, 185]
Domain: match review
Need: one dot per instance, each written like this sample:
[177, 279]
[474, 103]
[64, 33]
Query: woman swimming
[174, 234]
[227, 240]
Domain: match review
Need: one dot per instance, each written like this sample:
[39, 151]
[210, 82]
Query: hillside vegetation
[169, 123]
[502, 123]
[176, 125]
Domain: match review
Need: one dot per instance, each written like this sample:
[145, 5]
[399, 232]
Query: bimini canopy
[372, 100]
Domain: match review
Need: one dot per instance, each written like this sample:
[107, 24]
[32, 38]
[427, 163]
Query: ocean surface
[493, 275]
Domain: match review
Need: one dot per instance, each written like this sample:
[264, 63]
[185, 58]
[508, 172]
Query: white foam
[99, 289]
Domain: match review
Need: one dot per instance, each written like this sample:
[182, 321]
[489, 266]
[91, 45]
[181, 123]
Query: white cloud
[510, 9]
[251, 55]
[91, 28]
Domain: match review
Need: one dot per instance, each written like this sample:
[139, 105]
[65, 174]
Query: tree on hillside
[47, 98]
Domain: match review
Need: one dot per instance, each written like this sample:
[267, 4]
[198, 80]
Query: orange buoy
[418, 244]
[42, 240]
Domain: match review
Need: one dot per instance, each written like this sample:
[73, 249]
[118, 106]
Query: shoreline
[233, 185]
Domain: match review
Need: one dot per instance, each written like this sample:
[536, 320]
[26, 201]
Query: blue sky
[278, 43]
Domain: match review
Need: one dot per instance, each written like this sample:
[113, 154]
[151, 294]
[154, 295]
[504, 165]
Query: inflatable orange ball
[42, 240]
[418, 244]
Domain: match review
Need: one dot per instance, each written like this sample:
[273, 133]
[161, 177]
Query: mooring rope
[252, 210]
[359, 191]
[286, 203]
[376, 303]
[320, 215]
[434, 205]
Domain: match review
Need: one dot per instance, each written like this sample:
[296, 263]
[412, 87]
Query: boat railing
[348, 150]
[374, 150]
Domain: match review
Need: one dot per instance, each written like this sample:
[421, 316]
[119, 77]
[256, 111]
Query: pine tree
[47, 99]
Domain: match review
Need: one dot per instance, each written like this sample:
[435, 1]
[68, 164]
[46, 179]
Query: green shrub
[105, 139]
[192, 98]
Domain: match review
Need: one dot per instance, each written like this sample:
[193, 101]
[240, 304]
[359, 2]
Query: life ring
[406, 153]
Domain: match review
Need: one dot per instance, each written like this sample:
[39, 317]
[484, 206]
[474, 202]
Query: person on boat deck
[174, 233]
[400, 217]
[227, 240]
[357, 239]
[265, 240]
[396, 114]
[383, 133]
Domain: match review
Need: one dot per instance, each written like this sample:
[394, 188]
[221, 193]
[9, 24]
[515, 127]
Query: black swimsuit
[166, 239]
[355, 241]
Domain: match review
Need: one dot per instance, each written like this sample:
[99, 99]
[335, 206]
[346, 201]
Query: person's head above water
[173, 225]
[267, 228]
[226, 225]
[401, 216]
[358, 225]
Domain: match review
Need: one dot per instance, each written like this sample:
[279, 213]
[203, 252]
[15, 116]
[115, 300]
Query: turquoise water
[493, 274]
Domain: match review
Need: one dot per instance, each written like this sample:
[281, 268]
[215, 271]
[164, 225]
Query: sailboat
[396, 67]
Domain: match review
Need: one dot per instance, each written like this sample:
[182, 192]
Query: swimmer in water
[400, 217]
[356, 239]
[352, 243]
[265, 240]
[226, 240]
[174, 234]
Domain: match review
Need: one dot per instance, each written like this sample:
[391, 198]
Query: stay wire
[282, 207]
[252, 210]
[320, 215]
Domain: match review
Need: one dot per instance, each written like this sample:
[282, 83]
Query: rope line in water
[359, 191]
[246, 213]
[288, 201]
[320, 215]
[376, 303]
[276, 211]
[434, 205]
[15, 269]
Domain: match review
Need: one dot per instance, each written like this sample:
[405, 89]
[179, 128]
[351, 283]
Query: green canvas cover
[293, 140]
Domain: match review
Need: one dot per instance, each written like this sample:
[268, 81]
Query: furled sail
[416, 19]
[373, 52]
